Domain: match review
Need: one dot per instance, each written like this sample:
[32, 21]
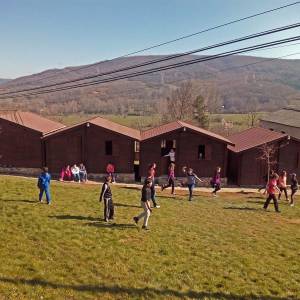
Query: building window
[166, 146]
[201, 152]
[136, 146]
[108, 148]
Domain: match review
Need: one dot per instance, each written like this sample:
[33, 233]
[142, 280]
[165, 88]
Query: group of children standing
[278, 184]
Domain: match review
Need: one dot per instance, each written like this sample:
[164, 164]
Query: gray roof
[289, 116]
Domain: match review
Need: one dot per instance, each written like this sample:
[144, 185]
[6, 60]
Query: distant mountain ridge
[269, 84]
[2, 80]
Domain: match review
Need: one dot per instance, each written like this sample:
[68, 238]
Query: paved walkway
[138, 186]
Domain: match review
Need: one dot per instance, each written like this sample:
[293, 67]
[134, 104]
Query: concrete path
[139, 186]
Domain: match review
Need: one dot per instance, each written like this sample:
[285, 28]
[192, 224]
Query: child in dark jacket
[294, 188]
[145, 203]
[106, 195]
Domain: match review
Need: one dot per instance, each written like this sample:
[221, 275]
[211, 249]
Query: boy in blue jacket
[44, 185]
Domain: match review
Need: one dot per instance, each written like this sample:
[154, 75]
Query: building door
[166, 146]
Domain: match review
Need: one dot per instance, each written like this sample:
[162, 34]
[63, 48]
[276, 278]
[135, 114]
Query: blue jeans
[47, 192]
[83, 176]
[76, 177]
[191, 187]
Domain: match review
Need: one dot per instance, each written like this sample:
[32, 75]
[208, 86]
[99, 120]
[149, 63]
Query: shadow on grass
[241, 208]
[69, 217]
[111, 225]
[21, 201]
[131, 188]
[257, 202]
[126, 205]
[149, 293]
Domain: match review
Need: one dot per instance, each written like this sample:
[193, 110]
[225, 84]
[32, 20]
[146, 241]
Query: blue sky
[41, 34]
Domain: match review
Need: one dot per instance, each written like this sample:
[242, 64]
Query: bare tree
[181, 102]
[268, 156]
[252, 113]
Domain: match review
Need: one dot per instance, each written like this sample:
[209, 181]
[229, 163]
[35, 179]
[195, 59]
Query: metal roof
[107, 124]
[253, 137]
[31, 120]
[166, 128]
[289, 116]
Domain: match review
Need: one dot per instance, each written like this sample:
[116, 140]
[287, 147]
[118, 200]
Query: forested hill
[268, 84]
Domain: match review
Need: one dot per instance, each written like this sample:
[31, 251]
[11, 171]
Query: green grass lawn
[211, 248]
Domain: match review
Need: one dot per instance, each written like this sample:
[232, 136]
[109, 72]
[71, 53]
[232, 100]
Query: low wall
[33, 172]
[182, 180]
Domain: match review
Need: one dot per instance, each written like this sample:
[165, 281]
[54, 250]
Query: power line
[251, 36]
[172, 66]
[178, 39]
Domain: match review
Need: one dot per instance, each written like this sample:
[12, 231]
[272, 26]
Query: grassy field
[211, 248]
[131, 121]
[240, 121]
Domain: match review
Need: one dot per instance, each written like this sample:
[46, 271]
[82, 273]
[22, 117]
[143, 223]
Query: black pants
[171, 183]
[153, 194]
[283, 189]
[216, 187]
[294, 191]
[271, 197]
[109, 209]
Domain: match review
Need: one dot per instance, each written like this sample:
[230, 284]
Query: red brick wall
[87, 145]
[187, 143]
[289, 157]
[19, 146]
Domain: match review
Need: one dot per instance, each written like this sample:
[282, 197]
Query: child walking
[44, 185]
[294, 187]
[191, 180]
[216, 181]
[151, 176]
[106, 195]
[171, 179]
[271, 189]
[282, 185]
[145, 203]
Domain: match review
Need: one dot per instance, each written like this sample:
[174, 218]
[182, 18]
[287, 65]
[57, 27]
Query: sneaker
[292, 204]
[136, 219]
[214, 195]
[49, 203]
[157, 206]
[145, 228]
[105, 220]
[278, 211]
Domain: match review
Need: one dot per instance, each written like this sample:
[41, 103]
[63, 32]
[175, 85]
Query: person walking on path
[106, 196]
[271, 189]
[145, 203]
[216, 181]
[151, 176]
[171, 179]
[282, 185]
[294, 188]
[191, 180]
[44, 185]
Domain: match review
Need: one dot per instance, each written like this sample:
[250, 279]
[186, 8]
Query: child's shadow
[111, 225]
